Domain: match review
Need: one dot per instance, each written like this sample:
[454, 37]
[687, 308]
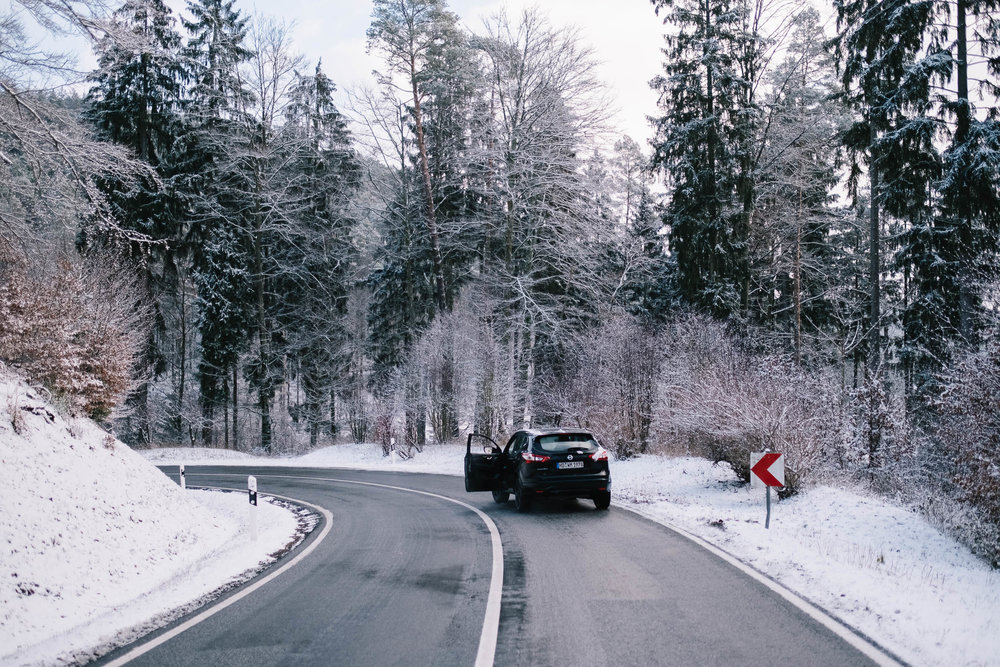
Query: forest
[198, 247]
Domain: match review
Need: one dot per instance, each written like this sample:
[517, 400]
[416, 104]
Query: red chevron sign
[767, 468]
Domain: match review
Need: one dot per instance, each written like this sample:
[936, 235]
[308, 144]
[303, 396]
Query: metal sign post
[767, 469]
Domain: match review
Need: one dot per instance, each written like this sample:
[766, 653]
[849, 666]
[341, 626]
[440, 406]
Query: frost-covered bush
[75, 325]
[969, 432]
[725, 399]
[608, 384]
[880, 446]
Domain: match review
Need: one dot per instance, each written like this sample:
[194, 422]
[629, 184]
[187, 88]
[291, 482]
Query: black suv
[557, 462]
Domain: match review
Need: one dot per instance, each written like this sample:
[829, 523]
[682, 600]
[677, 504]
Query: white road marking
[243, 592]
[838, 628]
[491, 621]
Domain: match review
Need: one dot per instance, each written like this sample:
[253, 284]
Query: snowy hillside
[94, 540]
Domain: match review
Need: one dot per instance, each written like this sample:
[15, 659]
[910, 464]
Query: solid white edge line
[486, 653]
[243, 592]
[822, 617]
[491, 623]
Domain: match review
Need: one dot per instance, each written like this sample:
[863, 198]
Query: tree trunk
[713, 211]
[798, 283]
[418, 121]
[264, 387]
[440, 298]
[236, 403]
[962, 128]
[179, 417]
[874, 258]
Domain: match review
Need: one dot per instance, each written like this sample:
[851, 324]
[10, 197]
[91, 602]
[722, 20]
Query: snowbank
[94, 540]
[877, 567]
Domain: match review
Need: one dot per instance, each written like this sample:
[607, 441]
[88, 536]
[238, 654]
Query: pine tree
[405, 31]
[325, 173]
[878, 50]
[953, 249]
[220, 252]
[699, 93]
[135, 102]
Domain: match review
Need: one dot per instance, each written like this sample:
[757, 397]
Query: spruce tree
[135, 102]
[220, 251]
[320, 261]
[693, 148]
[961, 238]
[879, 50]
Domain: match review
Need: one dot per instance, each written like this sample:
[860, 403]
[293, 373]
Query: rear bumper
[580, 486]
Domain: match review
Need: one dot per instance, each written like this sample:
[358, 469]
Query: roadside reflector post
[252, 488]
[767, 519]
[767, 469]
[183, 482]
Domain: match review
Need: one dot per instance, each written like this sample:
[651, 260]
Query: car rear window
[564, 442]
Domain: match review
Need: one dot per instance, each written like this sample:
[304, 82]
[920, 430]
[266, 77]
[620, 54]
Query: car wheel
[602, 500]
[521, 498]
[500, 497]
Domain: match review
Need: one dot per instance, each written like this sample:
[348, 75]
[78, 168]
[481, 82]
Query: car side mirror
[490, 449]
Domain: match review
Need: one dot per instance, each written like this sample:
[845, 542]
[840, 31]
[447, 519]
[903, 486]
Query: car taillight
[600, 455]
[534, 458]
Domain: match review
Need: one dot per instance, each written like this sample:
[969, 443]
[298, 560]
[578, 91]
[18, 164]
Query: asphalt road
[403, 579]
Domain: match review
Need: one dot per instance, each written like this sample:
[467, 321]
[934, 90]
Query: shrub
[969, 433]
[76, 325]
[726, 400]
[608, 384]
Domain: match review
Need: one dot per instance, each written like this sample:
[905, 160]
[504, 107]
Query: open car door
[481, 454]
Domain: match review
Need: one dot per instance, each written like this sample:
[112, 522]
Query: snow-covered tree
[135, 102]
[541, 236]
[216, 93]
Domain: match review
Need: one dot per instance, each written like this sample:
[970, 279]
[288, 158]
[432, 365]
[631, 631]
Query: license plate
[569, 464]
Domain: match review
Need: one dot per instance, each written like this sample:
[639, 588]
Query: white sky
[626, 36]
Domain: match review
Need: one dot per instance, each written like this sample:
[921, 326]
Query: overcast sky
[626, 36]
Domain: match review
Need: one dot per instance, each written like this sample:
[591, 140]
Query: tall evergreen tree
[422, 43]
[950, 252]
[220, 252]
[878, 49]
[325, 173]
[405, 31]
[694, 148]
[135, 102]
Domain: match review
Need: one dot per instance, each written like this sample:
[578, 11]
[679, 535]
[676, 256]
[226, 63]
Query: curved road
[403, 579]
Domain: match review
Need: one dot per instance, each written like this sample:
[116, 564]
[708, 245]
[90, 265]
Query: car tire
[500, 497]
[522, 501]
[603, 500]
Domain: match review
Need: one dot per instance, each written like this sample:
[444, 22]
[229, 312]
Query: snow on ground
[96, 544]
[879, 568]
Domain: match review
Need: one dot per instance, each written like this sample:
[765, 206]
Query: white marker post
[183, 482]
[252, 488]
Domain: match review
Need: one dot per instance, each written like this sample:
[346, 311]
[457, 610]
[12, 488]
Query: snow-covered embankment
[97, 545]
